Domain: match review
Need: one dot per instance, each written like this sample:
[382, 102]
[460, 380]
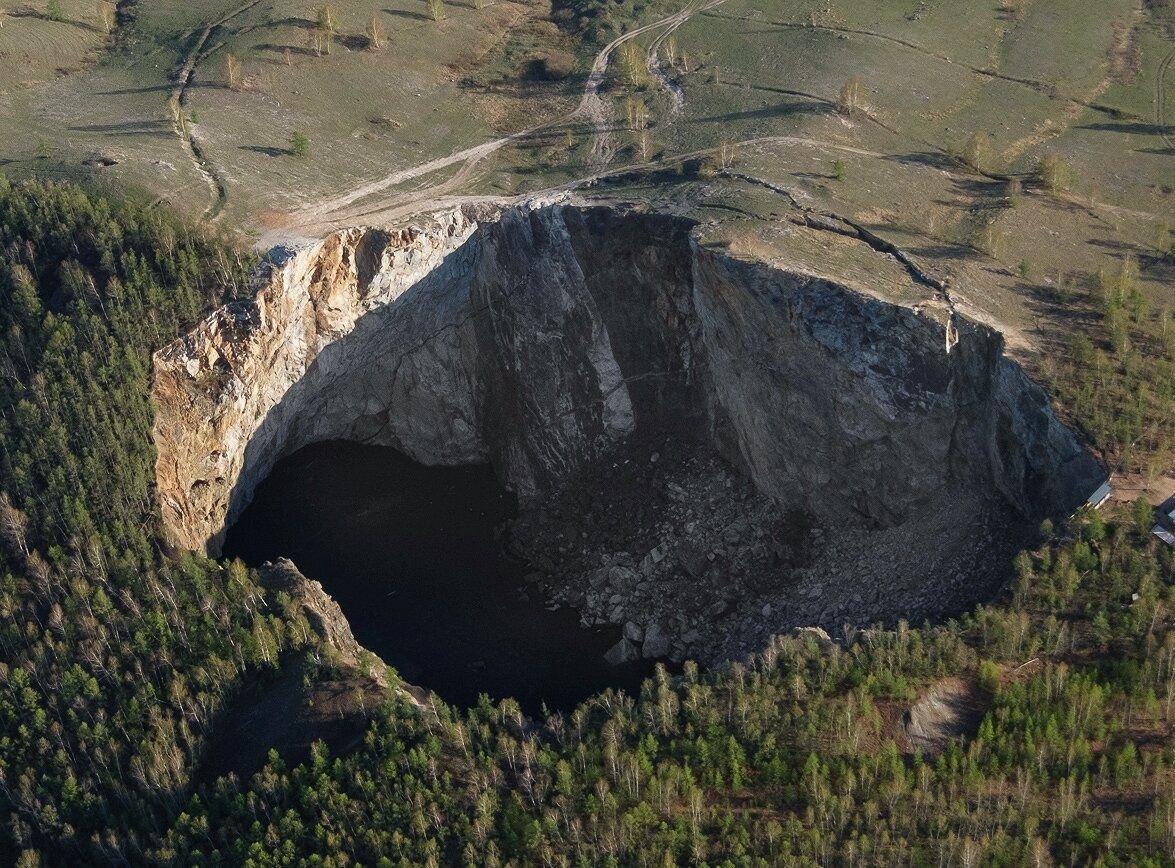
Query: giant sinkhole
[698, 451]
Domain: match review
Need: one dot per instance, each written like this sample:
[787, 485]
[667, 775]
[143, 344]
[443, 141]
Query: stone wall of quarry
[547, 340]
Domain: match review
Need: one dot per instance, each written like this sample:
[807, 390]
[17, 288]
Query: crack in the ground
[1044, 87]
[827, 221]
[177, 100]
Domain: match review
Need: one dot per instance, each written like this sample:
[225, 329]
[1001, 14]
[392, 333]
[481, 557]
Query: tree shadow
[353, 43]
[978, 187]
[126, 91]
[294, 21]
[1158, 267]
[1059, 314]
[28, 12]
[127, 128]
[266, 150]
[1136, 128]
[404, 13]
[944, 251]
[930, 159]
[1115, 246]
[797, 93]
[782, 110]
[277, 48]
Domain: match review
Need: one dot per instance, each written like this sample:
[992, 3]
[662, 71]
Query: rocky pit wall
[545, 339]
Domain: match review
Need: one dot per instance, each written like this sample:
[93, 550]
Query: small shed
[1100, 496]
[1164, 534]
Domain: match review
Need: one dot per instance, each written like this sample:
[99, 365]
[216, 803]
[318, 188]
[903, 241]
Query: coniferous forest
[119, 658]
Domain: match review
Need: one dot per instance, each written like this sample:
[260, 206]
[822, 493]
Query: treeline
[114, 660]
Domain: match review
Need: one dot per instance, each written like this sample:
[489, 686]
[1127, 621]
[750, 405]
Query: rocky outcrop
[539, 338]
[322, 612]
[325, 350]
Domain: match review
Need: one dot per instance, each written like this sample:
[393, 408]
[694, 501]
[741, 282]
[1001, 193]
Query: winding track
[592, 107]
[345, 210]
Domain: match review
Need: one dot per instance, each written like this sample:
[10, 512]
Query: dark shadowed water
[412, 555]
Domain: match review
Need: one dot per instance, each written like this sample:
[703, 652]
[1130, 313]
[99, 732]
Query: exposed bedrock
[539, 338]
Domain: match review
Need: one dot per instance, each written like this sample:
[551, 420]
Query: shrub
[556, 65]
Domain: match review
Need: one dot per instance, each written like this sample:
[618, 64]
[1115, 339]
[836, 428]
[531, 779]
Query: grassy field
[429, 87]
[35, 47]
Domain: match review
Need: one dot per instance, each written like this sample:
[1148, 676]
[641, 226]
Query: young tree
[1162, 240]
[1053, 172]
[637, 113]
[726, 154]
[319, 41]
[852, 96]
[1012, 192]
[232, 72]
[375, 34]
[991, 240]
[631, 63]
[672, 54]
[328, 19]
[105, 17]
[436, 9]
[299, 144]
[977, 153]
[14, 528]
[54, 12]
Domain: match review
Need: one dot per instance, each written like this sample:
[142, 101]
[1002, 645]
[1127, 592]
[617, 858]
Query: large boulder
[622, 652]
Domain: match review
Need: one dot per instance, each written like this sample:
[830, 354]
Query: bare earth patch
[949, 709]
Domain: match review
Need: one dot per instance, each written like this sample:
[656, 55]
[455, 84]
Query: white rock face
[536, 338]
[257, 379]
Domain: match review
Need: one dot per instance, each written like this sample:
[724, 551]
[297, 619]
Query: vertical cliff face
[326, 350]
[539, 338]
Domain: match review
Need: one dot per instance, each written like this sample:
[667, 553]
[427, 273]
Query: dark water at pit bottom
[412, 556]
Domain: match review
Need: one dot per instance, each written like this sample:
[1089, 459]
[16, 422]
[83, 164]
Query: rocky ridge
[322, 612]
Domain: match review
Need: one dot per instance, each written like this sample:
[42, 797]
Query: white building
[1100, 496]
